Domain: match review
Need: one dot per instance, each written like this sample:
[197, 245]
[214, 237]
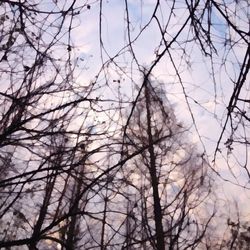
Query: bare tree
[170, 173]
[40, 103]
[80, 171]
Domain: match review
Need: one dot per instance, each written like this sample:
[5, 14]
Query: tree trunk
[154, 181]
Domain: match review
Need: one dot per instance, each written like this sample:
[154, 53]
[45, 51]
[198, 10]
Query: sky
[198, 93]
[116, 68]
[198, 82]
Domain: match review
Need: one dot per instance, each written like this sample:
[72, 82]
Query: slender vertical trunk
[71, 234]
[129, 219]
[72, 231]
[42, 214]
[104, 222]
[154, 180]
[143, 226]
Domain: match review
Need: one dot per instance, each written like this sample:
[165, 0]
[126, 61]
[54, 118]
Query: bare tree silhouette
[91, 156]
